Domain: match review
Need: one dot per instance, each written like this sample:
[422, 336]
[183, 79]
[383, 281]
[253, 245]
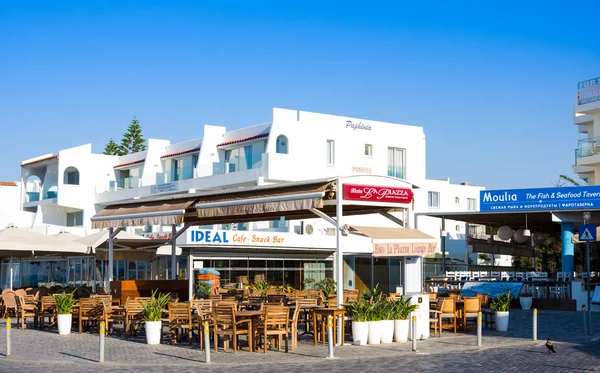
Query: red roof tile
[39, 160]
[129, 163]
[8, 183]
[244, 139]
[181, 153]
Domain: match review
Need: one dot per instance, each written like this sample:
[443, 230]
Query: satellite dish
[504, 232]
[309, 229]
[520, 236]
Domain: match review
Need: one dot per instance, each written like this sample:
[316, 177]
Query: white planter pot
[360, 332]
[501, 321]
[525, 302]
[387, 331]
[153, 332]
[374, 332]
[401, 330]
[64, 323]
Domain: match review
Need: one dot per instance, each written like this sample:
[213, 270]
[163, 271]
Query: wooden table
[251, 315]
[329, 311]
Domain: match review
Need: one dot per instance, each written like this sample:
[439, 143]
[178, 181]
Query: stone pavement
[42, 351]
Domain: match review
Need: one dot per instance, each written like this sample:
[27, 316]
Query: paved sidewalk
[79, 352]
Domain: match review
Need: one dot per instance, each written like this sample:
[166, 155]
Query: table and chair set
[456, 312]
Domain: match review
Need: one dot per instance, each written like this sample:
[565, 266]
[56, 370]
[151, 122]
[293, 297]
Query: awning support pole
[443, 247]
[324, 216]
[393, 218]
[110, 258]
[173, 253]
[339, 258]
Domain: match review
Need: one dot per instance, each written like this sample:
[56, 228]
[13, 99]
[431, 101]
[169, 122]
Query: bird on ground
[549, 346]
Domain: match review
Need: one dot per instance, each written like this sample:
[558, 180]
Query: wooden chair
[455, 296]
[449, 313]
[90, 312]
[435, 317]
[276, 323]
[351, 295]
[293, 325]
[180, 317]
[472, 306]
[133, 316]
[483, 299]
[225, 324]
[25, 310]
[47, 309]
[10, 302]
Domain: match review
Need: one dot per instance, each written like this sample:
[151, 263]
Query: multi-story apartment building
[64, 190]
[586, 116]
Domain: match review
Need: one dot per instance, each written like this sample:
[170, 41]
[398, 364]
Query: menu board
[492, 288]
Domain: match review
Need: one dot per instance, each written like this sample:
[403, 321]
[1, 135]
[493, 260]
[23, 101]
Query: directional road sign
[587, 232]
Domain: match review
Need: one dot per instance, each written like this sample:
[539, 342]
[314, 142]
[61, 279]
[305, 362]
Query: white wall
[10, 208]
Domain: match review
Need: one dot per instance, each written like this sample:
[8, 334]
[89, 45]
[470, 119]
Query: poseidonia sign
[404, 249]
[354, 192]
[566, 198]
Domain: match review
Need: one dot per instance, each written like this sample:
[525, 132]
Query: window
[457, 228]
[75, 219]
[457, 200]
[330, 152]
[281, 223]
[433, 199]
[244, 158]
[471, 204]
[176, 166]
[368, 150]
[281, 145]
[71, 176]
[396, 163]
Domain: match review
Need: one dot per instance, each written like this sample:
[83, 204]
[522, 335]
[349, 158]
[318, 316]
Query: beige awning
[142, 213]
[397, 241]
[264, 201]
[22, 242]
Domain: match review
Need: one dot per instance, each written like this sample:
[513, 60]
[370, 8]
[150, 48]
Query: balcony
[33, 199]
[587, 148]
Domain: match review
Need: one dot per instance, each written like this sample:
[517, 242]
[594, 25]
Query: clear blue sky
[492, 85]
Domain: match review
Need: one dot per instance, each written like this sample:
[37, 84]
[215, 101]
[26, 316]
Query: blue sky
[493, 85]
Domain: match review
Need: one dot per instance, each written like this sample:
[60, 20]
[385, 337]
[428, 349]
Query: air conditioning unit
[309, 229]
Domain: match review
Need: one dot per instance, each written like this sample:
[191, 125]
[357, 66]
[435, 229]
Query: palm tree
[564, 180]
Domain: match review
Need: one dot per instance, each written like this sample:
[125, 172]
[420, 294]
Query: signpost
[587, 233]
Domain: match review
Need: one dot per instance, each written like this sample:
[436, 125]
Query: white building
[64, 190]
[586, 116]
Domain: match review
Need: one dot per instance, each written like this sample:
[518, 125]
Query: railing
[587, 147]
[33, 196]
[184, 173]
[129, 182]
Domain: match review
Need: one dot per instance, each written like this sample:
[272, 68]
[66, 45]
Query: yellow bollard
[8, 328]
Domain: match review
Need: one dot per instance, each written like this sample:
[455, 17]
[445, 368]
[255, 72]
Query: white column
[173, 253]
[192, 282]
[110, 259]
[339, 258]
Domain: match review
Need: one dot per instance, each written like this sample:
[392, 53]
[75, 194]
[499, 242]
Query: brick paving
[42, 351]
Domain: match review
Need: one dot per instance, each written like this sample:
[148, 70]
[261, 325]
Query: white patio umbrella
[20, 242]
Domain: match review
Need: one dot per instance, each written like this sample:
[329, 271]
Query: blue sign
[209, 236]
[566, 198]
[588, 91]
[587, 232]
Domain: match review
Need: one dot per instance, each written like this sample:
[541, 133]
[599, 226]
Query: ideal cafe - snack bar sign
[218, 237]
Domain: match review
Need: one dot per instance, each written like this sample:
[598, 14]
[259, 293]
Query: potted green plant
[203, 289]
[525, 298]
[262, 286]
[64, 303]
[501, 305]
[386, 312]
[153, 311]
[327, 286]
[359, 313]
[401, 310]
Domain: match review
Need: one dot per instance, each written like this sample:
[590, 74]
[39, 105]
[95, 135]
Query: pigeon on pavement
[549, 346]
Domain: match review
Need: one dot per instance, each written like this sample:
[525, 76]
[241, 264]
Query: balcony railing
[129, 182]
[587, 147]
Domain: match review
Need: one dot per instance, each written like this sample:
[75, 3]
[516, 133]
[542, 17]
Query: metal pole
[479, 328]
[8, 327]
[102, 332]
[173, 253]
[207, 343]
[535, 324]
[330, 337]
[339, 211]
[340, 337]
[585, 324]
[414, 333]
[110, 259]
[443, 247]
[589, 289]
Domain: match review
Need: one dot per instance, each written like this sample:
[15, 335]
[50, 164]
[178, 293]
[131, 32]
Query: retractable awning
[397, 241]
[142, 213]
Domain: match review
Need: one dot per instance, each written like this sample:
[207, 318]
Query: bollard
[8, 327]
[479, 328]
[414, 333]
[330, 336]
[535, 324]
[102, 333]
[340, 337]
[207, 343]
[585, 326]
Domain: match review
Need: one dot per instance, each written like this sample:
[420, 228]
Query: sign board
[403, 249]
[566, 198]
[587, 232]
[230, 238]
[158, 235]
[588, 91]
[163, 188]
[491, 288]
[354, 192]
